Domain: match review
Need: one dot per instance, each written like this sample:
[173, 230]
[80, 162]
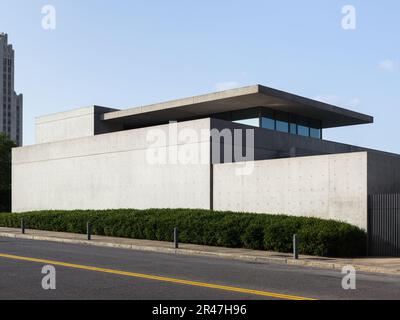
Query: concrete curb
[189, 252]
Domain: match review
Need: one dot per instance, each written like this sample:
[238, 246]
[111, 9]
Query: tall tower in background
[10, 103]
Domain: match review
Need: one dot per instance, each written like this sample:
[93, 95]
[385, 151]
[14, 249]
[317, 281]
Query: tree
[5, 172]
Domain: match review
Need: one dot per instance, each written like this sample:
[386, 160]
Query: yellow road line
[158, 278]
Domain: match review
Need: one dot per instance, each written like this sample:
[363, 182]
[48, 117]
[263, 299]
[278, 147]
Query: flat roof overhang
[237, 99]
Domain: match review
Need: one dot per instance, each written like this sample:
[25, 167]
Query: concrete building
[11, 108]
[100, 158]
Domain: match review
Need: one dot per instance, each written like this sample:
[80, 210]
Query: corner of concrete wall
[77, 123]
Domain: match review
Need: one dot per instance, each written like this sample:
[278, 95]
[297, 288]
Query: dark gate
[384, 225]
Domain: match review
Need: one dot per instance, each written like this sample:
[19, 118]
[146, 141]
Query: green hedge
[228, 229]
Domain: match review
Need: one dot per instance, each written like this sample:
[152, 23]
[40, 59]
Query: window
[292, 124]
[303, 128]
[315, 129]
[315, 133]
[274, 120]
[303, 131]
[268, 123]
[248, 117]
[282, 126]
[293, 128]
[282, 122]
[267, 119]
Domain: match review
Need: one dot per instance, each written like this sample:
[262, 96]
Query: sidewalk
[375, 265]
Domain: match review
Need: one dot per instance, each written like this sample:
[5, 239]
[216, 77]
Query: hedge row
[244, 230]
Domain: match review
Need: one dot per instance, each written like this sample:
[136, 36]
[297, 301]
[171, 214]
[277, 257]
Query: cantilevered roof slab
[237, 99]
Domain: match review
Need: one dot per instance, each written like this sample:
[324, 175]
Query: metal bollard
[22, 226]
[89, 231]
[295, 247]
[176, 238]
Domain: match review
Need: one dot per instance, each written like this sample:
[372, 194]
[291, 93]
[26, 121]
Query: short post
[295, 247]
[176, 238]
[89, 231]
[22, 226]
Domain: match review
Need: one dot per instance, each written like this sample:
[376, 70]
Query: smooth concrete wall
[112, 171]
[78, 123]
[328, 186]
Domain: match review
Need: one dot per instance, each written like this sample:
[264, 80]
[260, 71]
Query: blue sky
[127, 53]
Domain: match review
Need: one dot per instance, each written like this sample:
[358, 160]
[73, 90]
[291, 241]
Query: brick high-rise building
[10, 102]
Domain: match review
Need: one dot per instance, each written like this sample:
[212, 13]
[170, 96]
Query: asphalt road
[86, 272]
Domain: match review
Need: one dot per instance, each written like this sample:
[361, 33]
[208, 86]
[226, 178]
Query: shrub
[228, 229]
[253, 236]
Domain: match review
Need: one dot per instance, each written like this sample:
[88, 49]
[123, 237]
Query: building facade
[11, 103]
[252, 149]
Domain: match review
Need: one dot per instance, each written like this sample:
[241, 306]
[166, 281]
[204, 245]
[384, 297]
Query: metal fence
[384, 225]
